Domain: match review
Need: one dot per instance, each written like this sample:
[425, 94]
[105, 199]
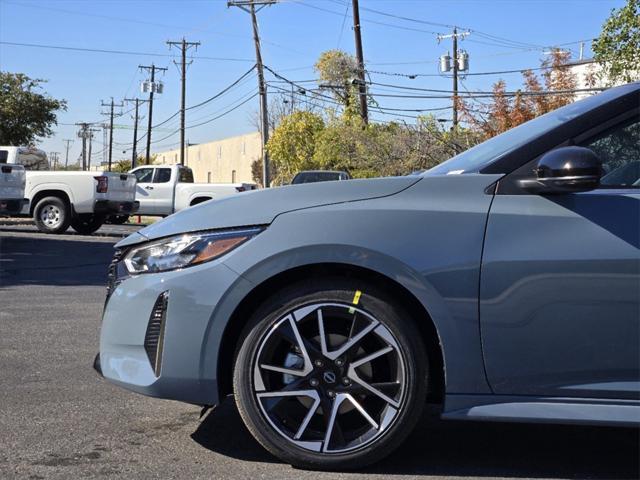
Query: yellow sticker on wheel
[356, 299]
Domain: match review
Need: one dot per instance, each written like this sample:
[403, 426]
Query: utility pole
[134, 153]
[54, 157]
[90, 138]
[250, 7]
[184, 46]
[66, 157]
[111, 105]
[362, 86]
[455, 69]
[84, 133]
[152, 88]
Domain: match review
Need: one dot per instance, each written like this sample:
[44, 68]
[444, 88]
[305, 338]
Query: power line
[118, 52]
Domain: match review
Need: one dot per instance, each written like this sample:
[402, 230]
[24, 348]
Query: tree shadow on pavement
[467, 449]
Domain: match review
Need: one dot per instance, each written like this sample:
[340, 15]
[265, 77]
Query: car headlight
[185, 250]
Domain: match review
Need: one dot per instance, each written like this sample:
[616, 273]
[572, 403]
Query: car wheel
[331, 375]
[87, 223]
[51, 215]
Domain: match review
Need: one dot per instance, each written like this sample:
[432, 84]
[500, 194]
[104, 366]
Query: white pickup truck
[12, 182]
[165, 189]
[59, 199]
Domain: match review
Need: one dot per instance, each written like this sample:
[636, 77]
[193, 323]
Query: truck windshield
[478, 157]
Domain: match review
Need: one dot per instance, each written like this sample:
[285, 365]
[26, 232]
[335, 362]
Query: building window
[244, 147]
[208, 177]
[175, 159]
[233, 176]
[219, 152]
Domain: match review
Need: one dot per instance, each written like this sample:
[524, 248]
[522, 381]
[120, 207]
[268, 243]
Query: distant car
[501, 285]
[313, 176]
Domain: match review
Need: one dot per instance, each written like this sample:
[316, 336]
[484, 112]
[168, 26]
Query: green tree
[292, 144]
[25, 112]
[336, 70]
[123, 166]
[617, 48]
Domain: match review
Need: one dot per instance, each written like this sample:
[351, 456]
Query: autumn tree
[26, 113]
[536, 97]
[617, 48]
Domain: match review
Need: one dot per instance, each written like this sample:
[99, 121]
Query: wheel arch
[237, 321]
[50, 192]
[199, 199]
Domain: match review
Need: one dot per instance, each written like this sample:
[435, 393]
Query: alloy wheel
[329, 378]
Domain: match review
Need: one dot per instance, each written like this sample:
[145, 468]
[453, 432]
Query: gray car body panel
[260, 207]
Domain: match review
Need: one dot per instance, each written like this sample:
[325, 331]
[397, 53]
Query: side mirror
[565, 170]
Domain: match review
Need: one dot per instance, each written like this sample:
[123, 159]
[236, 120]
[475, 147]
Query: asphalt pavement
[59, 419]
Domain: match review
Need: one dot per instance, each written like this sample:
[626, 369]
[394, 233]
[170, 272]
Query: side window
[144, 175]
[186, 175]
[4, 156]
[619, 150]
[163, 175]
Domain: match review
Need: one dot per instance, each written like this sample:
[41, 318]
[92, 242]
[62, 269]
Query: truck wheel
[87, 223]
[52, 215]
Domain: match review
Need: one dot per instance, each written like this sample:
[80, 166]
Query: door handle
[148, 187]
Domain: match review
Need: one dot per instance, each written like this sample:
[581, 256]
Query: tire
[87, 223]
[117, 219]
[52, 215]
[336, 371]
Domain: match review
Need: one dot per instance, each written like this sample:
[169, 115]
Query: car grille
[154, 338]
[112, 272]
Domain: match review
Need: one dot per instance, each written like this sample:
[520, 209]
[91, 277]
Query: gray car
[502, 285]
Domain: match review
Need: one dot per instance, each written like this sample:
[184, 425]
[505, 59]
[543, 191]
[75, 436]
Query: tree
[25, 113]
[336, 70]
[617, 48]
[292, 144]
[123, 166]
[507, 110]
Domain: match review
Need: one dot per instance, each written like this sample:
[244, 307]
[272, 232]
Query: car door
[144, 189]
[560, 281]
[163, 191]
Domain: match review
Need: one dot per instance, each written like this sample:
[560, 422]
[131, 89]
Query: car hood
[261, 207]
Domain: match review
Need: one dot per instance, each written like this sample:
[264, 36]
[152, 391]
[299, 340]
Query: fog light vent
[154, 338]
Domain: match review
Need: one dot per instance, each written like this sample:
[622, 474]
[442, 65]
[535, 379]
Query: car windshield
[478, 157]
[312, 177]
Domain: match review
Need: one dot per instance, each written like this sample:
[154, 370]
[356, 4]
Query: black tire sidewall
[65, 213]
[88, 223]
[384, 309]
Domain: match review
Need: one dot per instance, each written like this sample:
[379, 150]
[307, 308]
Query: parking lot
[60, 420]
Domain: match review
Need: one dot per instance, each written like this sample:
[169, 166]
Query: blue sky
[293, 32]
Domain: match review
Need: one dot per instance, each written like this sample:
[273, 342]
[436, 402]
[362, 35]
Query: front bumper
[193, 326]
[116, 207]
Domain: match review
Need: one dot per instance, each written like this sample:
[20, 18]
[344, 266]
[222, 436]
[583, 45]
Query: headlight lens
[185, 250]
